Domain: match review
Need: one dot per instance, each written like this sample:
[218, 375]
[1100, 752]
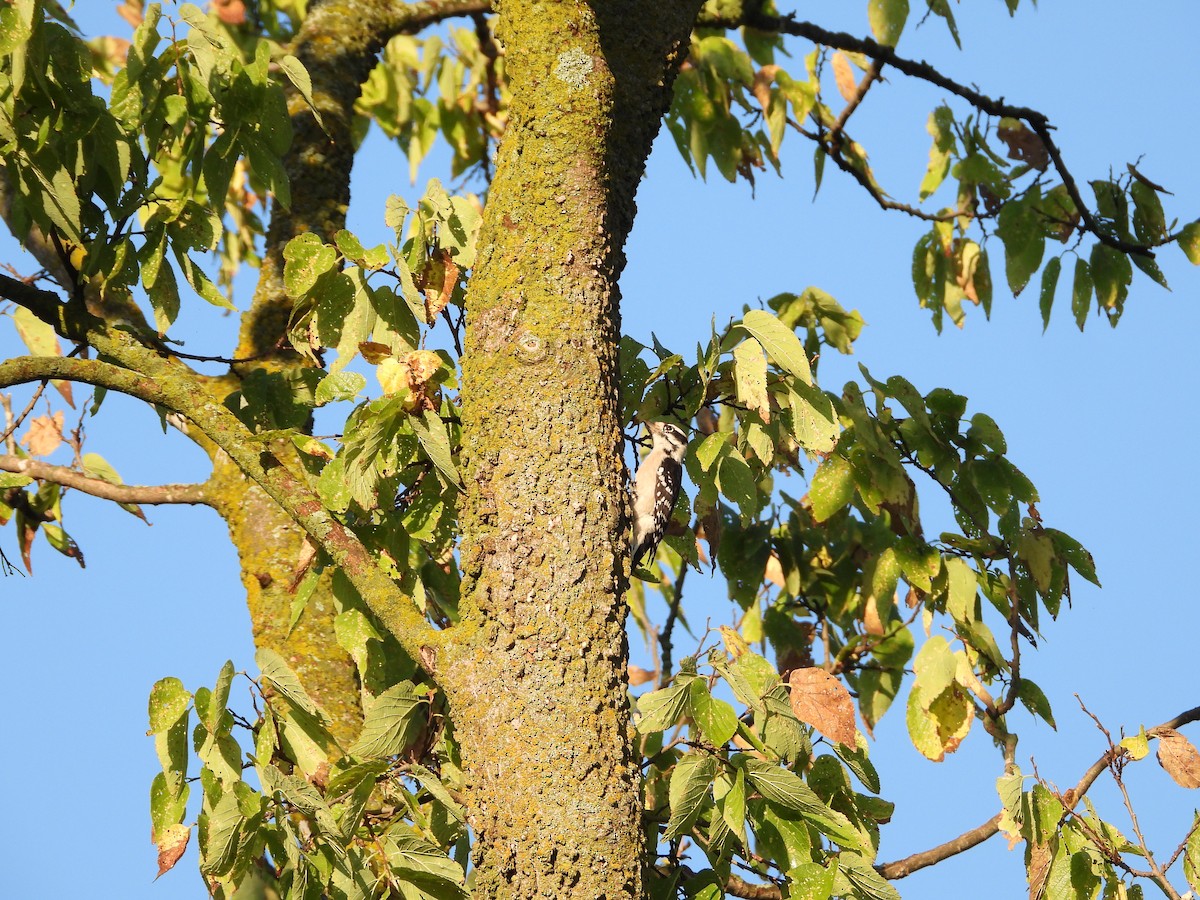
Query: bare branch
[902, 867]
[965, 841]
[97, 487]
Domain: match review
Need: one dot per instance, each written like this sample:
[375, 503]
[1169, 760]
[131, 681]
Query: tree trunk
[536, 676]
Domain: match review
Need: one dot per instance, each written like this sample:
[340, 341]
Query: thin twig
[664, 639]
[922, 70]
[872, 75]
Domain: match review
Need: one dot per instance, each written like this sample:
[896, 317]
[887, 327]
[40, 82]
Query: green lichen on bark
[539, 699]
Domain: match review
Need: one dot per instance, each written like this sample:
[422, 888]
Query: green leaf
[306, 258]
[750, 375]
[168, 804]
[716, 718]
[887, 19]
[280, 674]
[1081, 293]
[298, 76]
[392, 722]
[736, 481]
[224, 823]
[38, 336]
[941, 128]
[832, 487]
[1189, 242]
[866, 881]
[690, 782]
[1019, 226]
[339, 386]
[1191, 856]
[787, 790]
[1136, 745]
[434, 785]
[812, 881]
[13, 480]
[780, 342]
[961, 591]
[435, 441]
[168, 702]
[1049, 284]
[306, 799]
[935, 667]
[659, 710]
[1149, 222]
[418, 862]
[814, 421]
[1111, 274]
[1035, 701]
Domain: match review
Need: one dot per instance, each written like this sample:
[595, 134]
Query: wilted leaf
[1039, 867]
[1023, 144]
[822, 701]
[847, 85]
[1179, 757]
[638, 675]
[44, 434]
[171, 843]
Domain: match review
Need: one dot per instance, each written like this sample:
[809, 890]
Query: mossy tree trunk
[537, 677]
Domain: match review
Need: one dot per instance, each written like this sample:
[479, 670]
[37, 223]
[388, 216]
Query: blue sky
[1099, 421]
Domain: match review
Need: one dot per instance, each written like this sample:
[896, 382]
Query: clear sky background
[1102, 422]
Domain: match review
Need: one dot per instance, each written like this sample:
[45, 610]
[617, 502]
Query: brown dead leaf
[131, 11]
[171, 844]
[412, 372]
[638, 675]
[26, 531]
[762, 85]
[873, 616]
[320, 778]
[44, 435]
[709, 528]
[440, 277]
[308, 552]
[774, 571]
[1179, 757]
[231, 12]
[706, 421]
[843, 74]
[1023, 144]
[1039, 868]
[820, 700]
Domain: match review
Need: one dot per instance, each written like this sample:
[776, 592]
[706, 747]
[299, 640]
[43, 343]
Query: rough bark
[536, 676]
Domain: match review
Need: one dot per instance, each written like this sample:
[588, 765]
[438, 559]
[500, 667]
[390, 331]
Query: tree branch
[965, 841]
[902, 867]
[27, 369]
[880, 53]
[165, 382]
[97, 487]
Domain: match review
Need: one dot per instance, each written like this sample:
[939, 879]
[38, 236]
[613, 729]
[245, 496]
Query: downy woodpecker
[656, 488]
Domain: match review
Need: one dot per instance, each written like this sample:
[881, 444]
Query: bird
[656, 488]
